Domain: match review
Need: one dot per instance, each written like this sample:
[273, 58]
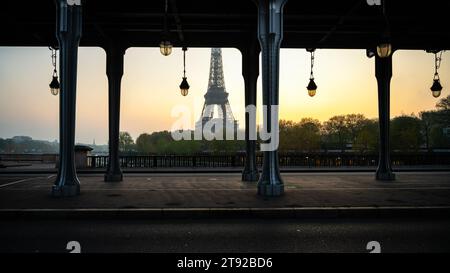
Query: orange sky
[150, 88]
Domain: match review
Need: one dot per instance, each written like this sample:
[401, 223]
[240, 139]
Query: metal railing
[285, 160]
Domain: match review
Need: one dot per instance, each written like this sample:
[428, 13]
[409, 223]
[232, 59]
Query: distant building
[217, 109]
[21, 139]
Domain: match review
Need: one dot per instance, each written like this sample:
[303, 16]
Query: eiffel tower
[216, 98]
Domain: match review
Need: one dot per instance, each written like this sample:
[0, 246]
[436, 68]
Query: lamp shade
[184, 87]
[436, 88]
[312, 88]
[165, 47]
[384, 50]
[54, 86]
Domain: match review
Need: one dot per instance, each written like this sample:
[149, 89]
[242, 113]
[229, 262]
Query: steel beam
[114, 70]
[69, 24]
[270, 35]
[250, 72]
[383, 73]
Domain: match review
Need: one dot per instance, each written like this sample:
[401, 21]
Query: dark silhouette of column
[114, 70]
[270, 34]
[383, 72]
[69, 24]
[250, 72]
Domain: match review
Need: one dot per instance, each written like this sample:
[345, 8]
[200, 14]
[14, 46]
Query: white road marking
[17, 182]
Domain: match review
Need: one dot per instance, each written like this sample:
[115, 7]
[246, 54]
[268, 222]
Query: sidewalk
[206, 195]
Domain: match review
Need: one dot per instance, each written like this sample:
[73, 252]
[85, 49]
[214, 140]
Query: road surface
[226, 235]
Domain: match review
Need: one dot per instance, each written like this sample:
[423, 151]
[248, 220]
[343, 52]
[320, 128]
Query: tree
[143, 143]
[286, 135]
[443, 112]
[354, 124]
[406, 133]
[444, 104]
[307, 134]
[434, 125]
[222, 146]
[336, 130]
[367, 138]
[300, 136]
[428, 122]
[160, 142]
[126, 142]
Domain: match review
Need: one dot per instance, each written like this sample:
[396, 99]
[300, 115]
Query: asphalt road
[186, 236]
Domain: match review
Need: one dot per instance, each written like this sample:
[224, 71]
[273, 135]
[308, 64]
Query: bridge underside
[349, 24]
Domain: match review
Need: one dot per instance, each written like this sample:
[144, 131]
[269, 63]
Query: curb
[228, 213]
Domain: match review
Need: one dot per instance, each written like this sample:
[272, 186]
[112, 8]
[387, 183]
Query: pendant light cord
[437, 64]
[184, 62]
[311, 77]
[54, 61]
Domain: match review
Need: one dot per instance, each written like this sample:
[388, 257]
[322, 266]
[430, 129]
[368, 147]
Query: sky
[345, 78]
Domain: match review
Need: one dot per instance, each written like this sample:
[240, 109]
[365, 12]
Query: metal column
[250, 72]
[383, 73]
[270, 34]
[114, 70]
[69, 23]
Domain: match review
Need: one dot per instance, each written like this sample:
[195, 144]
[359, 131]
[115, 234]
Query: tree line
[429, 130]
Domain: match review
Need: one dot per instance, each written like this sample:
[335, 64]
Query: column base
[117, 177]
[250, 176]
[65, 191]
[385, 176]
[270, 190]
